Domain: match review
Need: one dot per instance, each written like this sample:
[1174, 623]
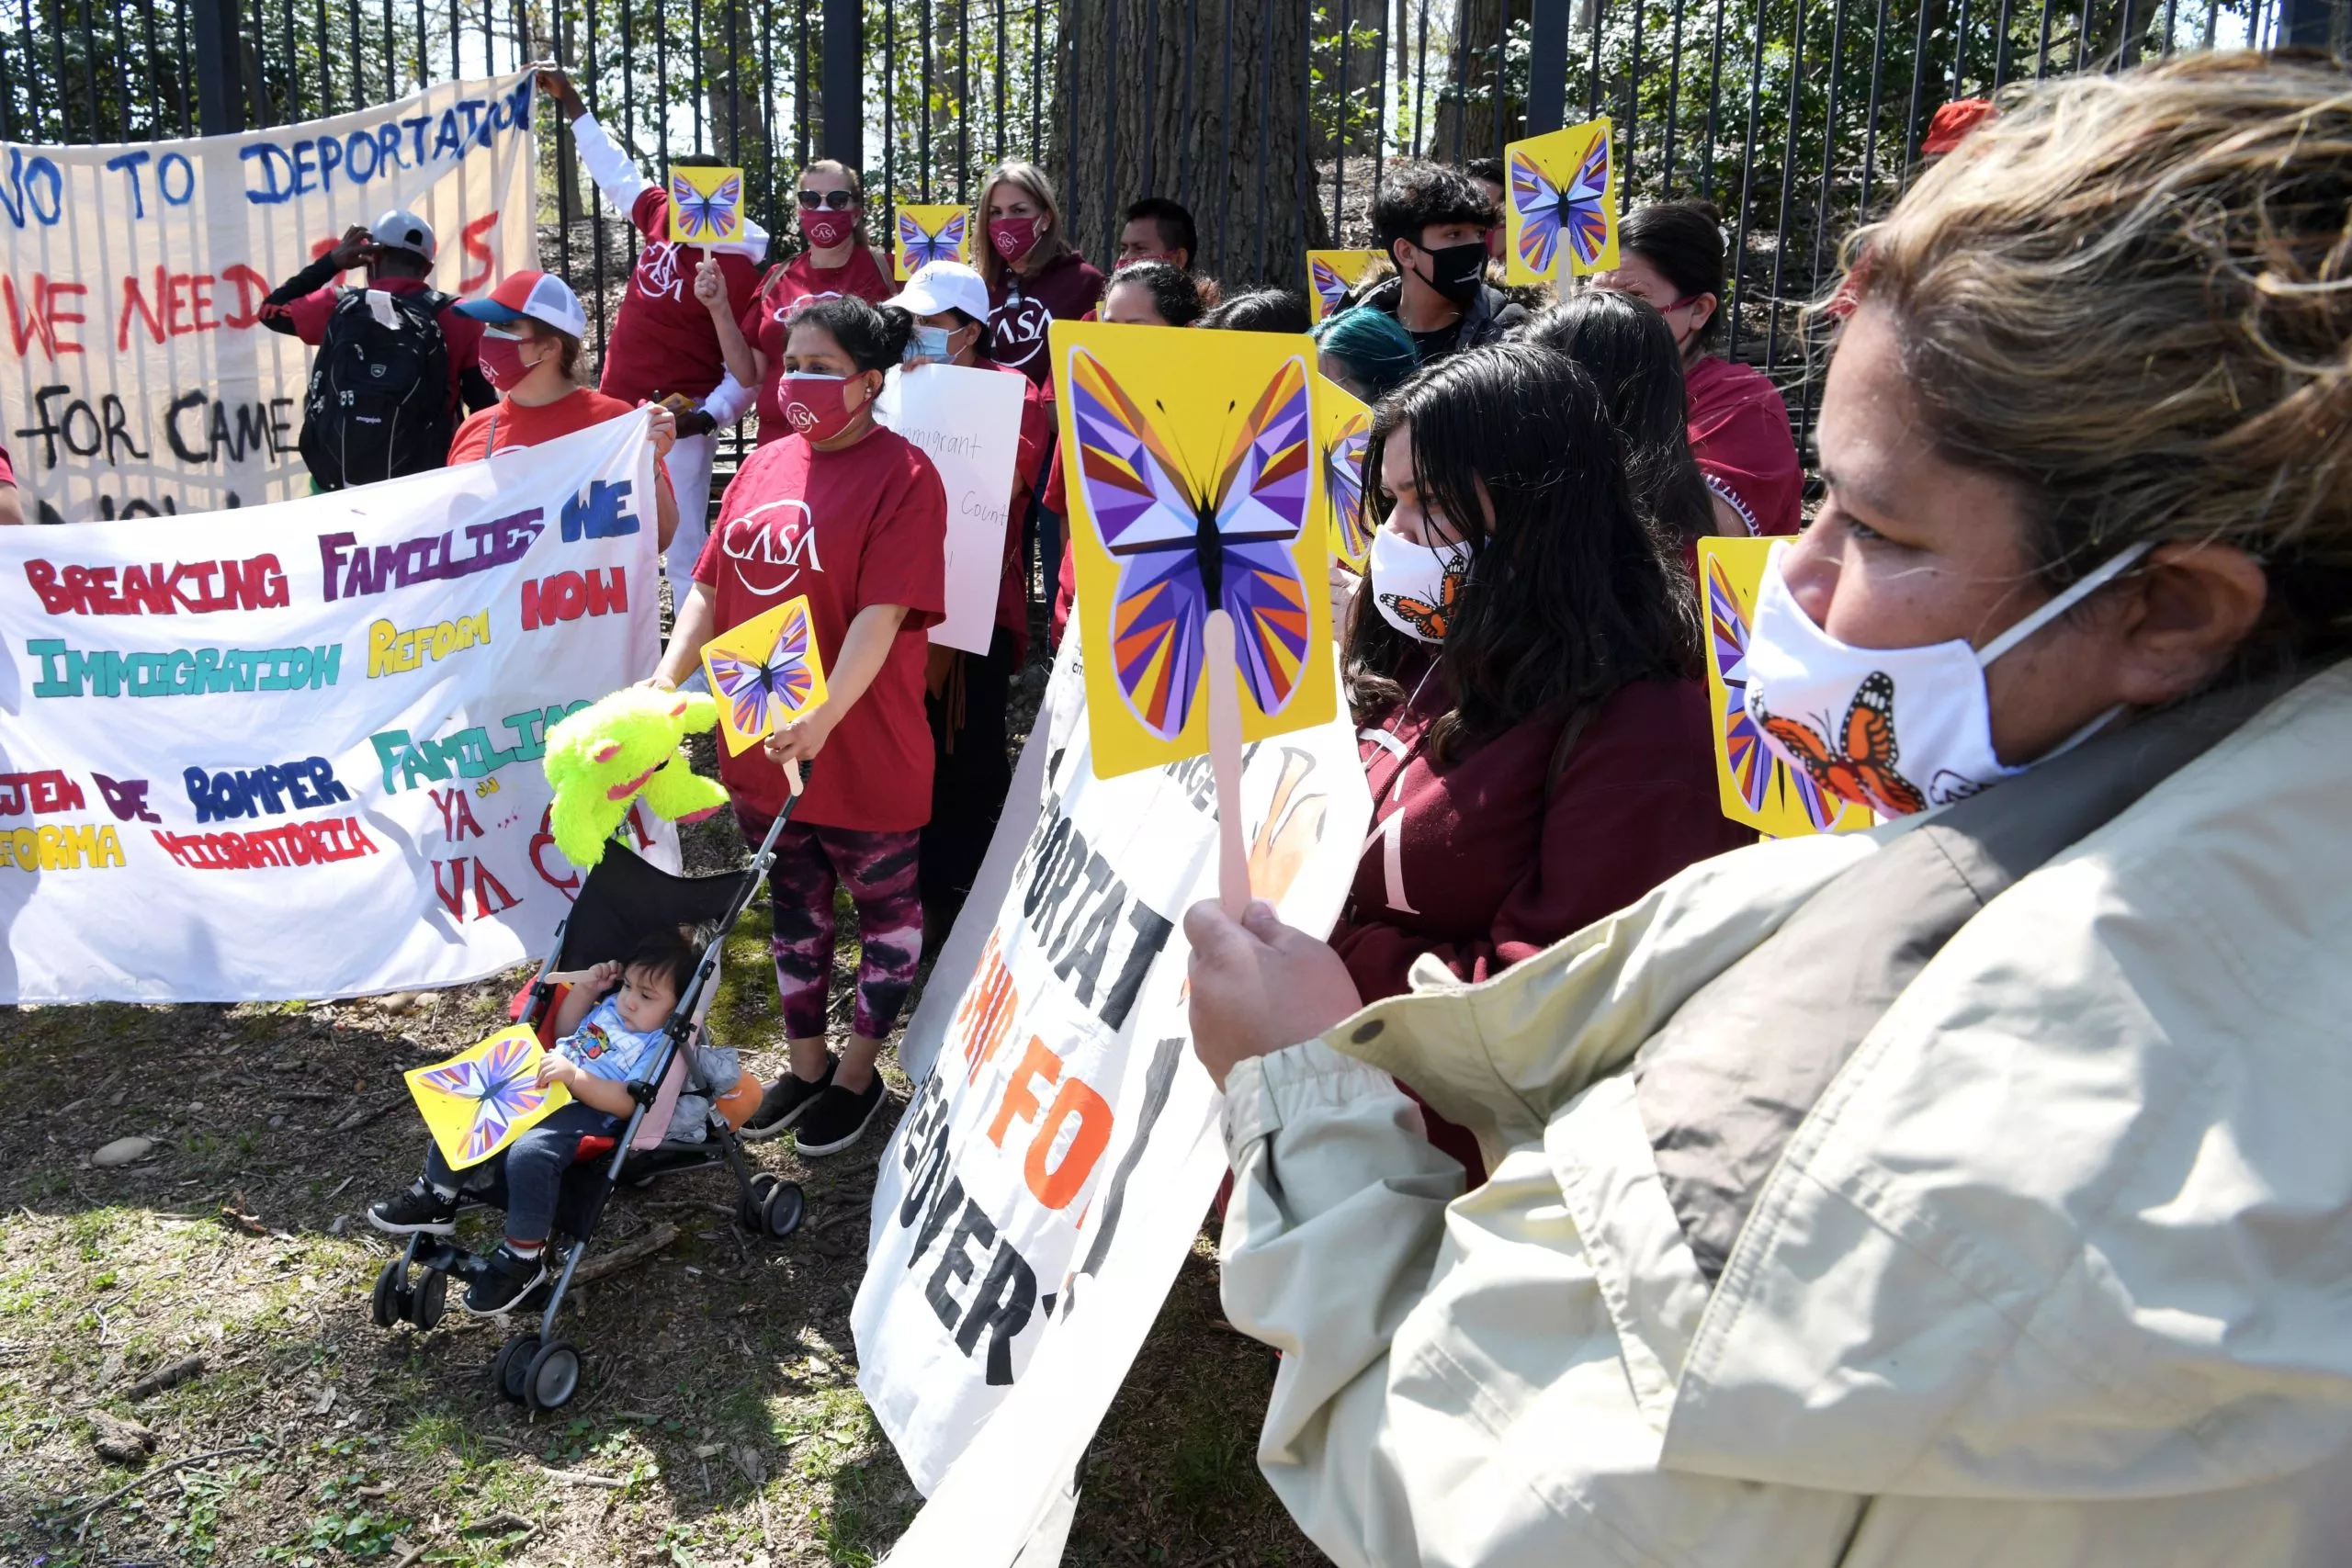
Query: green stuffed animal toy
[617, 749]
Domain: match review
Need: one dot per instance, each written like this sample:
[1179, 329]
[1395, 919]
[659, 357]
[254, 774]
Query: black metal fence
[1273, 118]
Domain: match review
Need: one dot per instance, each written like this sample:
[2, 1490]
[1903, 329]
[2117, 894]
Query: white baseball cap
[404, 230]
[943, 285]
[542, 295]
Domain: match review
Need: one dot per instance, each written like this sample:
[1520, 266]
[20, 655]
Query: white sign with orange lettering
[140, 372]
[1044, 1186]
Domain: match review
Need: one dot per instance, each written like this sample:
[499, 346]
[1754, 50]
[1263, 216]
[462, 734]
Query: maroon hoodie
[1487, 862]
[1022, 310]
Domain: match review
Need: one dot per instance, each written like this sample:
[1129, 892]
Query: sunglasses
[836, 199]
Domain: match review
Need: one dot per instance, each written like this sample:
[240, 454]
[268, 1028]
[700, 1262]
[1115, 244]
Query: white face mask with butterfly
[1415, 587]
[1898, 729]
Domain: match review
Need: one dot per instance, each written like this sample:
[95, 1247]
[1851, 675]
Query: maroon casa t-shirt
[864, 526]
[662, 339]
[1022, 310]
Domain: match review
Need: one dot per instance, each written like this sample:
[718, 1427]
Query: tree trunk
[1201, 100]
[1473, 85]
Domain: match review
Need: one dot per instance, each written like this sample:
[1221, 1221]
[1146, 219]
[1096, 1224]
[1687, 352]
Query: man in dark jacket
[1432, 223]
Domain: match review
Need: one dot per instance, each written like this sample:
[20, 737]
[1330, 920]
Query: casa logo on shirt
[768, 546]
[657, 271]
[1018, 332]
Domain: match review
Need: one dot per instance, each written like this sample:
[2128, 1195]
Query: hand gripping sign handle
[1224, 763]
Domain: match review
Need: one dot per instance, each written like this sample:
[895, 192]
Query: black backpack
[378, 404]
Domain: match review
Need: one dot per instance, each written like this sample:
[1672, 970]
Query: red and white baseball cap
[542, 295]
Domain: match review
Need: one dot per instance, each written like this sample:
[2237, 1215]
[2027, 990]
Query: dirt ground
[719, 1420]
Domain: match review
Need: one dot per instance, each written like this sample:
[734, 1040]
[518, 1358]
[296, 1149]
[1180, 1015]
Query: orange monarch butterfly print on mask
[1433, 620]
[1861, 768]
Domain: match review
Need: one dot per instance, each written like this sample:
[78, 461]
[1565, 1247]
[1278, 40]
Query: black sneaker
[419, 1211]
[507, 1278]
[786, 1102]
[839, 1118]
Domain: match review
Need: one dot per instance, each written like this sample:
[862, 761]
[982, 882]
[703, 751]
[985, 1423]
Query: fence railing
[1272, 120]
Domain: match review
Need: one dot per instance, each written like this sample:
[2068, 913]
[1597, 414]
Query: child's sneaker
[419, 1211]
[509, 1276]
[839, 1118]
[786, 1102]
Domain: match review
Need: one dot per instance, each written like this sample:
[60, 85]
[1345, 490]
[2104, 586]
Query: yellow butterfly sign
[1189, 459]
[928, 234]
[1330, 274]
[705, 205]
[485, 1097]
[1560, 204]
[1758, 788]
[765, 672]
[1342, 437]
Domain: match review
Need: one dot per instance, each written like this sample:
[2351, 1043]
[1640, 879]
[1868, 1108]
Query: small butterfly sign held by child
[1330, 274]
[1198, 532]
[1560, 211]
[705, 205]
[1758, 788]
[932, 234]
[485, 1097]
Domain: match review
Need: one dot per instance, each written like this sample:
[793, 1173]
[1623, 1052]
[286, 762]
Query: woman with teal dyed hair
[1365, 351]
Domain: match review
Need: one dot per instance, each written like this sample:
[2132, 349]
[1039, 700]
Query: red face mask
[826, 230]
[816, 405]
[1012, 237]
[502, 361]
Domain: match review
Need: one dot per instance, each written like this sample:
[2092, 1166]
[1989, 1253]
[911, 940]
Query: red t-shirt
[1488, 861]
[507, 424]
[663, 341]
[7, 469]
[1739, 433]
[1025, 309]
[864, 526]
[1037, 438]
[308, 316]
[785, 289]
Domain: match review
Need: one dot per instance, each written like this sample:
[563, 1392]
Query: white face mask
[1898, 729]
[1415, 587]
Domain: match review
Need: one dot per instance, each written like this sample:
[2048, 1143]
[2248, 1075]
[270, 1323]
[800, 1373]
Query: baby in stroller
[609, 1026]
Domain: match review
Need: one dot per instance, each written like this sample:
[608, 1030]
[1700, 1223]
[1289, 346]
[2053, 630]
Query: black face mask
[1458, 272]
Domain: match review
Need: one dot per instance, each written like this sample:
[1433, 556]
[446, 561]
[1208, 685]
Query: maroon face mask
[816, 407]
[826, 230]
[1012, 237]
[502, 361]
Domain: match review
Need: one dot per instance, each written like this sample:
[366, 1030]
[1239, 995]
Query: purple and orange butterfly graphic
[1343, 483]
[714, 214]
[1753, 764]
[1329, 286]
[921, 247]
[761, 694]
[502, 1082]
[1186, 545]
[1547, 211]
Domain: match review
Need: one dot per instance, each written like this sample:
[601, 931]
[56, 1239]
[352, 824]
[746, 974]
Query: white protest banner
[1043, 1189]
[292, 751]
[136, 374]
[967, 422]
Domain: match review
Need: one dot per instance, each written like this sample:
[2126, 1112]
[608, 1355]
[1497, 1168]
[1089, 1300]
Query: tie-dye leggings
[880, 870]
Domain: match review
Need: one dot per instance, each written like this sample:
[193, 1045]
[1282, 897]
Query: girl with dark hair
[1152, 294]
[1671, 254]
[1261, 311]
[1520, 663]
[1628, 349]
[1366, 352]
[853, 517]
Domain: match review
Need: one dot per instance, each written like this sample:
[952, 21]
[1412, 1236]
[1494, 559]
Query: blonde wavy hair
[2132, 297]
[1034, 182]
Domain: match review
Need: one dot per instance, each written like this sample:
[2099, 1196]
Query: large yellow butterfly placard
[1560, 204]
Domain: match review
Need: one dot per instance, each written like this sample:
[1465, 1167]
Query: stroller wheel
[781, 1211]
[552, 1377]
[390, 1301]
[751, 1210]
[425, 1301]
[513, 1361]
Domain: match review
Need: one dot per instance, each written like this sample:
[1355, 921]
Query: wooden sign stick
[1225, 762]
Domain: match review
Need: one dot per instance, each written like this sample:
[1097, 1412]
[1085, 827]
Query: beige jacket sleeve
[1337, 1212]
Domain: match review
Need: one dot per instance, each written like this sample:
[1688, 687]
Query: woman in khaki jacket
[1976, 1191]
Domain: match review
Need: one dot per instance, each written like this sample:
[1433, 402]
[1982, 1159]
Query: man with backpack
[397, 366]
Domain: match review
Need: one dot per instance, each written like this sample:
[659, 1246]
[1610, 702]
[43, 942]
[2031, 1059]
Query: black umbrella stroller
[675, 1126]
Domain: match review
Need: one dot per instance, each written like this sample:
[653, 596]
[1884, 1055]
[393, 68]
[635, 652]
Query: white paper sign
[1039, 1196]
[293, 750]
[136, 374]
[967, 422]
